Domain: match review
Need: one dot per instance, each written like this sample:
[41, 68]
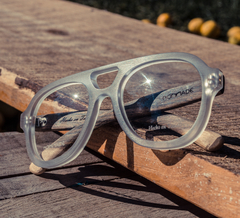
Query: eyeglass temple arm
[209, 140]
[164, 100]
[156, 104]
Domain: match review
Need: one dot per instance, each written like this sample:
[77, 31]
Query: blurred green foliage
[225, 12]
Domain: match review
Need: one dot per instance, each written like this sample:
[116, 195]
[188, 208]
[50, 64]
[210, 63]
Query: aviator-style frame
[212, 81]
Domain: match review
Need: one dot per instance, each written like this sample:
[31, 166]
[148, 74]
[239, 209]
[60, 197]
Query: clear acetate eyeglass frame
[212, 81]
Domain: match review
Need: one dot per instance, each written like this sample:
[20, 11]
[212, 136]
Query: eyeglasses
[161, 101]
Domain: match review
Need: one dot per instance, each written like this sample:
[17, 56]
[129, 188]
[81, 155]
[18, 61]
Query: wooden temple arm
[165, 100]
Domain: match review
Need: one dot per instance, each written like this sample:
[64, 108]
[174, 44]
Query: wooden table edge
[210, 187]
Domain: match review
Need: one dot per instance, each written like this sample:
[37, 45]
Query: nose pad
[104, 78]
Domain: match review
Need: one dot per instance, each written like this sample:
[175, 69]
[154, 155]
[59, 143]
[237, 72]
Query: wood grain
[88, 189]
[43, 41]
[124, 197]
[179, 171]
[14, 159]
[30, 184]
[86, 44]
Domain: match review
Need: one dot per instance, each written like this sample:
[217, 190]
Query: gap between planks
[119, 193]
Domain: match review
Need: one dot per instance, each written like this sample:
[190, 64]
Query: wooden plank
[14, 159]
[65, 38]
[126, 197]
[179, 171]
[51, 56]
[89, 189]
[58, 179]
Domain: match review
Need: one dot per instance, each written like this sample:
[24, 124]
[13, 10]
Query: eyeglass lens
[162, 97]
[60, 112]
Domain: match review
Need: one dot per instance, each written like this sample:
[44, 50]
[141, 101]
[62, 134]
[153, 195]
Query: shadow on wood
[105, 141]
[131, 189]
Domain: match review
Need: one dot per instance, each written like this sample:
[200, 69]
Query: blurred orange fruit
[235, 39]
[210, 29]
[232, 31]
[195, 24]
[146, 21]
[164, 20]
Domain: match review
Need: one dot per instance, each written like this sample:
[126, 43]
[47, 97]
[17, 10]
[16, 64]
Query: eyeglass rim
[125, 68]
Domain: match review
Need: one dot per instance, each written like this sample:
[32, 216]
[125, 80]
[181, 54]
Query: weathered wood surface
[13, 150]
[42, 41]
[90, 188]
[181, 171]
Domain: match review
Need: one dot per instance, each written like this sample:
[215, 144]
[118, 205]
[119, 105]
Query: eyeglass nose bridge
[99, 94]
[110, 73]
[96, 102]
